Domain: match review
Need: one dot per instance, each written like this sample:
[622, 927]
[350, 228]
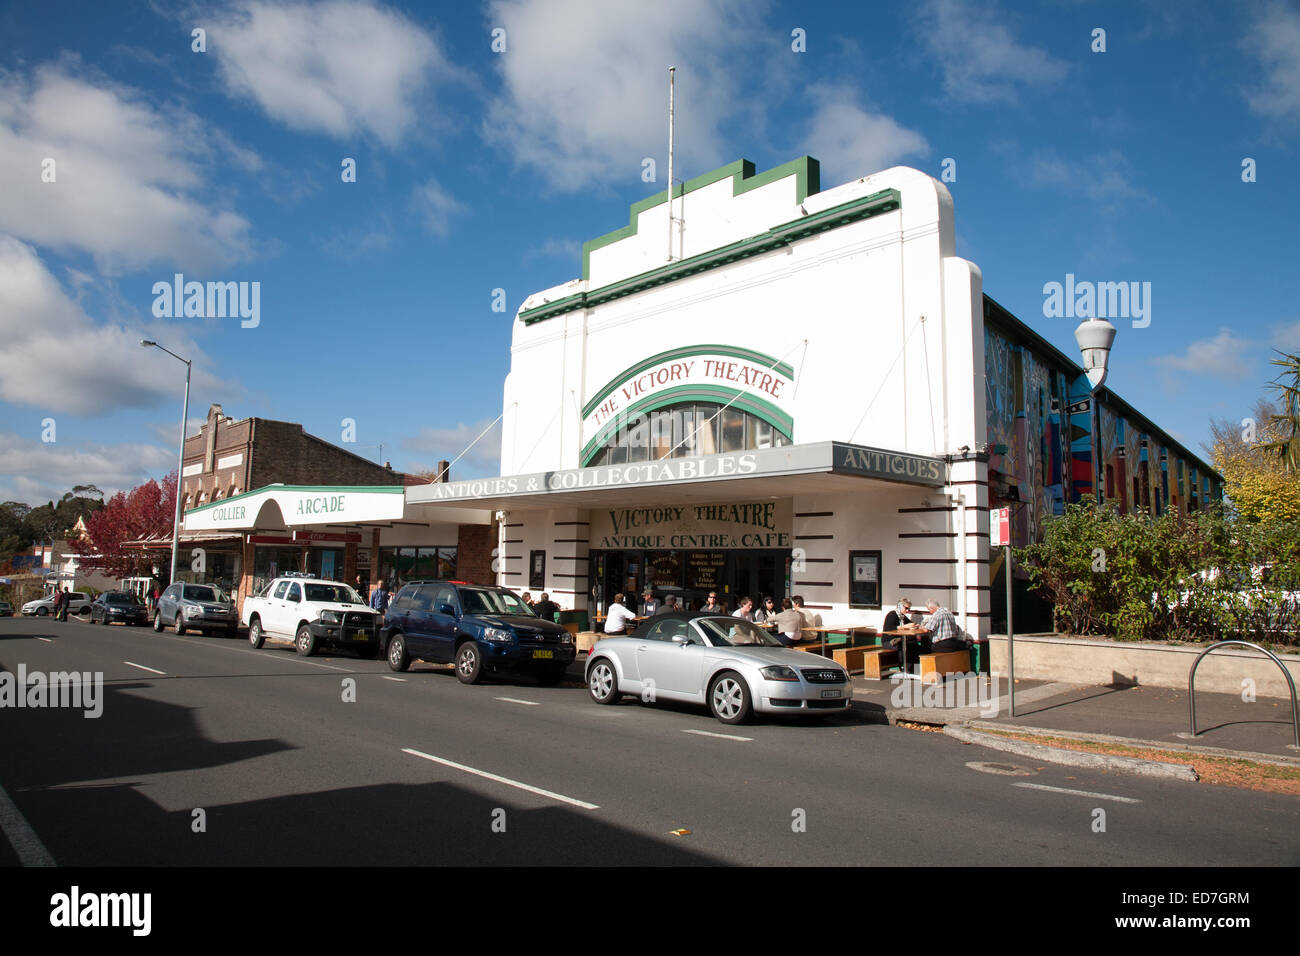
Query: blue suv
[477, 628]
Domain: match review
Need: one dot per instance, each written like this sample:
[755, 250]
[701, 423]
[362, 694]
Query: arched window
[685, 430]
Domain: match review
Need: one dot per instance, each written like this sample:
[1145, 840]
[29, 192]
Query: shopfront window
[682, 431]
[399, 565]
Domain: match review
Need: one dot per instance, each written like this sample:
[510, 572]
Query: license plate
[830, 693]
[360, 636]
[543, 655]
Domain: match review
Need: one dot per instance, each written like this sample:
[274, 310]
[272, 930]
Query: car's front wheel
[42, 611]
[157, 622]
[398, 659]
[179, 624]
[729, 698]
[469, 663]
[602, 682]
[255, 633]
[305, 642]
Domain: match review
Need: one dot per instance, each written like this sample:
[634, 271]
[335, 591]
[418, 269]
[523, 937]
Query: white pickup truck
[311, 612]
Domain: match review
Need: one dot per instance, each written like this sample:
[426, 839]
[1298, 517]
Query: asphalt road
[419, 769]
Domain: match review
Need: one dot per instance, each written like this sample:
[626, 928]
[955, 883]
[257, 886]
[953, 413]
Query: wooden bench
[876, 659]
[935, 666]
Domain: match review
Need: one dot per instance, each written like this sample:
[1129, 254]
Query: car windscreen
[485, 601]
[203, 592]
[332, 593]
[733, 632]
[121, 598]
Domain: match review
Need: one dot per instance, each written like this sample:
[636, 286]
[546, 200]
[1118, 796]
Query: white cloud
[36, 472]
[585, 85]
[1273, 38]
[1286, 337]
[851, 142]
[126, 175]
[342, 67]
[1222, 358]
[56, 358]
[981, 59]
[1106, 178]
[437, 207]
[446, 443]
[553, 248]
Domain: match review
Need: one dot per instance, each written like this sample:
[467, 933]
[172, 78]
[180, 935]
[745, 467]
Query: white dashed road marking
[709, 733]
[31, 851]
[1076, 793]
[400, 680]
[506, 780]
[143, 668]
[516, 700]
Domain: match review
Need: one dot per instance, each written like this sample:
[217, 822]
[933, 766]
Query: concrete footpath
[1145, 718]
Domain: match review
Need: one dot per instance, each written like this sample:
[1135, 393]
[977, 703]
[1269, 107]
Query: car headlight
[778, 672]
[566, 638]
[497, 635]
[329, 617]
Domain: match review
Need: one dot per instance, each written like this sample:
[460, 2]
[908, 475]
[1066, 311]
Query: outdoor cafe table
[905, 632]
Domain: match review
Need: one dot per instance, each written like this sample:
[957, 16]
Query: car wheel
[469, 663]
[398, 659]
[42, 611]
[157, 622]
[305, 642]
[255, 633]
[552, 675]
[729, 698]
[179, 624]
[602, 681]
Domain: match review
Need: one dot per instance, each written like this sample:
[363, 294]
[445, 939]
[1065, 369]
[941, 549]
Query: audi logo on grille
[827, 675]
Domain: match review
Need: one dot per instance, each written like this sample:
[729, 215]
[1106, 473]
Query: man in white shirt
[746, 610]
[618, 617]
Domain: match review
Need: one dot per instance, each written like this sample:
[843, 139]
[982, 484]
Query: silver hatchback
[732, 666]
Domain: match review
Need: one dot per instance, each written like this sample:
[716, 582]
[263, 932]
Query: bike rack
[1191, 686]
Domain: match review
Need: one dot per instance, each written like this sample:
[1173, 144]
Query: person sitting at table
[812, 618]
[789, 624]
[899, 614]
[669, 605]
[945, 635]
[746, 610]
[546, 609]
[711, 606]
[650, 605]
[766, 613]
[618, 617]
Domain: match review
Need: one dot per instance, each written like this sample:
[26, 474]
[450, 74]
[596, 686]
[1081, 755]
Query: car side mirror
[446, 609]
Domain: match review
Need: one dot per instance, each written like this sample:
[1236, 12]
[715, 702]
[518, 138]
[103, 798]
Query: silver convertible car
[736, 668]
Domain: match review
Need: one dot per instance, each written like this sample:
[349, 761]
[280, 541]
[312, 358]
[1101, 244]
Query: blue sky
[478, 170]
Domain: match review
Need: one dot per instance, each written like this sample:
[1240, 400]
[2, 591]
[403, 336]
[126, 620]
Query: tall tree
[147, 509]
[1285, 440]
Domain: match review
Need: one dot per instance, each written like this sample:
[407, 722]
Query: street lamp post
[1095, 337]
[180, 467]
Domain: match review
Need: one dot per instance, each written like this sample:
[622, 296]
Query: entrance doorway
[689, 575]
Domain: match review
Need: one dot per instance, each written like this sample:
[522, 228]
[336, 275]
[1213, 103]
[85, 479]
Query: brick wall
[474, 544]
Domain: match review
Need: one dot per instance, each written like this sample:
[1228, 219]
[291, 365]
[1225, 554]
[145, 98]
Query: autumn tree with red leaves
[148, 509]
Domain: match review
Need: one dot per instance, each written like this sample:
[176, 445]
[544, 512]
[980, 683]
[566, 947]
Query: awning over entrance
[767, 472]
[300, 506]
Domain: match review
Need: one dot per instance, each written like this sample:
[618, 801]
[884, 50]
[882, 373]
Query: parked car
[732, 666]
[195, 607]
[6, 609]
[78, 603]
[310, 612]
[478, 628]
[118, 606]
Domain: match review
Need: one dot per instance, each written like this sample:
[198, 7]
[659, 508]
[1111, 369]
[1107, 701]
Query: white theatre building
[782, 394]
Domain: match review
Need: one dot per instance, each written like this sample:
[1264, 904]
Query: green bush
[1178, 576]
